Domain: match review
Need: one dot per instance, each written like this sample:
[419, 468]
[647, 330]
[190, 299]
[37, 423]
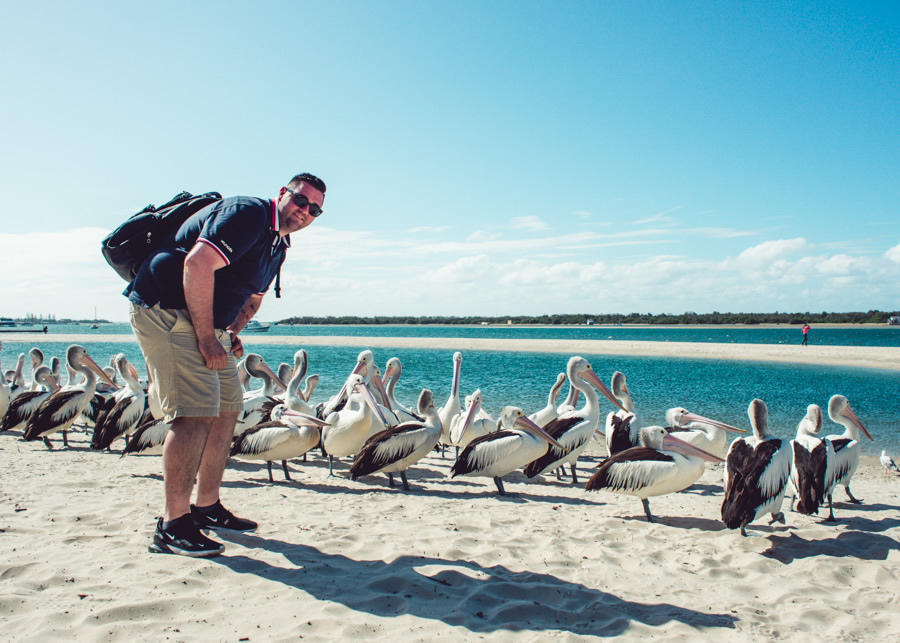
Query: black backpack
[126, 247]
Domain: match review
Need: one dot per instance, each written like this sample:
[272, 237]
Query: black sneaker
[218, 517]
[182, 536]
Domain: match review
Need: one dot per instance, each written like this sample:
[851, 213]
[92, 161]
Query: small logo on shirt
[227, 247]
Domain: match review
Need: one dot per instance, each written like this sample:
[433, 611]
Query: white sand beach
[335, 559]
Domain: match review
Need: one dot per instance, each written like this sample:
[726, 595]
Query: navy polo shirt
[243, 230]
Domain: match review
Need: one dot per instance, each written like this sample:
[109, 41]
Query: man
[188, 302]
[805, 331]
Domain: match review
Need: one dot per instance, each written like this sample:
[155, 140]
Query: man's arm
[247, 311]
[199, 278]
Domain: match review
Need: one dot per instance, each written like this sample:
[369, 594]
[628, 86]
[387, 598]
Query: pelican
[663, 464]
[288, 435]
[472, 423]
[148, 437]
[573, 430]
[293, 398]
[123, 411]
[623, 427]
[517, 442]
[812, 470]
[23, 405]
[757, 469]
[550, 411]
[846, 446]
[376, 387]
[37, 360]
[347, 430]
[570, 401]
[392, 371]
[452, 406]
[397, 448]
[284, 372]
[5, 394]
[258, 404]
[60, 409]
[15, 381]
[364, 363]
[888, 463]
[709, 435]
[243, 375]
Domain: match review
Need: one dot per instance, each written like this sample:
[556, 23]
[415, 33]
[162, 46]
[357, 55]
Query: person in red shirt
[805, 331]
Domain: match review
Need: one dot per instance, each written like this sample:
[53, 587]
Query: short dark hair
[306, 177]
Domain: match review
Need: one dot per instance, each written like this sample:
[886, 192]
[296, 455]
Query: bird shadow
[679, 522]
[686, 522]
[704, 490]
[847, 544]
[460, 593]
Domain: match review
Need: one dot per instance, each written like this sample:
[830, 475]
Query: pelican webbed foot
[855, 501]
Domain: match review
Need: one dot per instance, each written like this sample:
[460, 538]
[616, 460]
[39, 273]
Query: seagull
[888, 463]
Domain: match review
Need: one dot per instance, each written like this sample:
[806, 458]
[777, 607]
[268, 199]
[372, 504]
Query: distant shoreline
[273, 324]
[878, 357]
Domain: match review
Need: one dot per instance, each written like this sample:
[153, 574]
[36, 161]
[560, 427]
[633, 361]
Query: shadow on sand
[459, 592]
[864, 545]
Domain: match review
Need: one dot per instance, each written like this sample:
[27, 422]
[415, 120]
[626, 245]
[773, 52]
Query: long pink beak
[302, 419]
[594, 381]
[527, 424]
[671, 443]
[693, 417]
[849, 414]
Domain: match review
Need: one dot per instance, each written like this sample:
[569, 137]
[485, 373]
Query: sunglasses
[301, 201]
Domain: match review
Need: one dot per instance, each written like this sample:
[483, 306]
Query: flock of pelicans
[364, 420]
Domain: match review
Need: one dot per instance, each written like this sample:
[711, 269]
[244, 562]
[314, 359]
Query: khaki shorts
[183, 384]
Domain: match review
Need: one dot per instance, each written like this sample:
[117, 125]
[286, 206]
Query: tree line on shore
[870, 317]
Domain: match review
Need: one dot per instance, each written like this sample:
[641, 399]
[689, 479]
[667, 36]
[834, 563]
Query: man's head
[300, 202]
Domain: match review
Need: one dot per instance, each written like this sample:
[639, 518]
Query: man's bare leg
[182, 451]
[215, 455]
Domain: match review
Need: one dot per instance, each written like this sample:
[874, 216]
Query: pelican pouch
[126, 247]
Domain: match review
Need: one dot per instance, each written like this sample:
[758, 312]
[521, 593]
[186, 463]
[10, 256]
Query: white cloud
[769, 251]
[660, 217]
[531, 223]
[335, 272]
[893, 254]
[481, 235]
[721, 233]
[429, 229]
[841, 265]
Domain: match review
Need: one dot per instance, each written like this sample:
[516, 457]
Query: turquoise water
[844, 336]
[717, 388]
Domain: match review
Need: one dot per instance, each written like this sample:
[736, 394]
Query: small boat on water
[254, 326]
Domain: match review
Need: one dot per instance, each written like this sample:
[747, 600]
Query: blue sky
[482, 157]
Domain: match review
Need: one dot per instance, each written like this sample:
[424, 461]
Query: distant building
[589, 322]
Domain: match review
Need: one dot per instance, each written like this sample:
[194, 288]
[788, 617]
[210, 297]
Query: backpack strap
[278, 284]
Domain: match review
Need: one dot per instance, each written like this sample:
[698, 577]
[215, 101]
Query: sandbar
[878, 357]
